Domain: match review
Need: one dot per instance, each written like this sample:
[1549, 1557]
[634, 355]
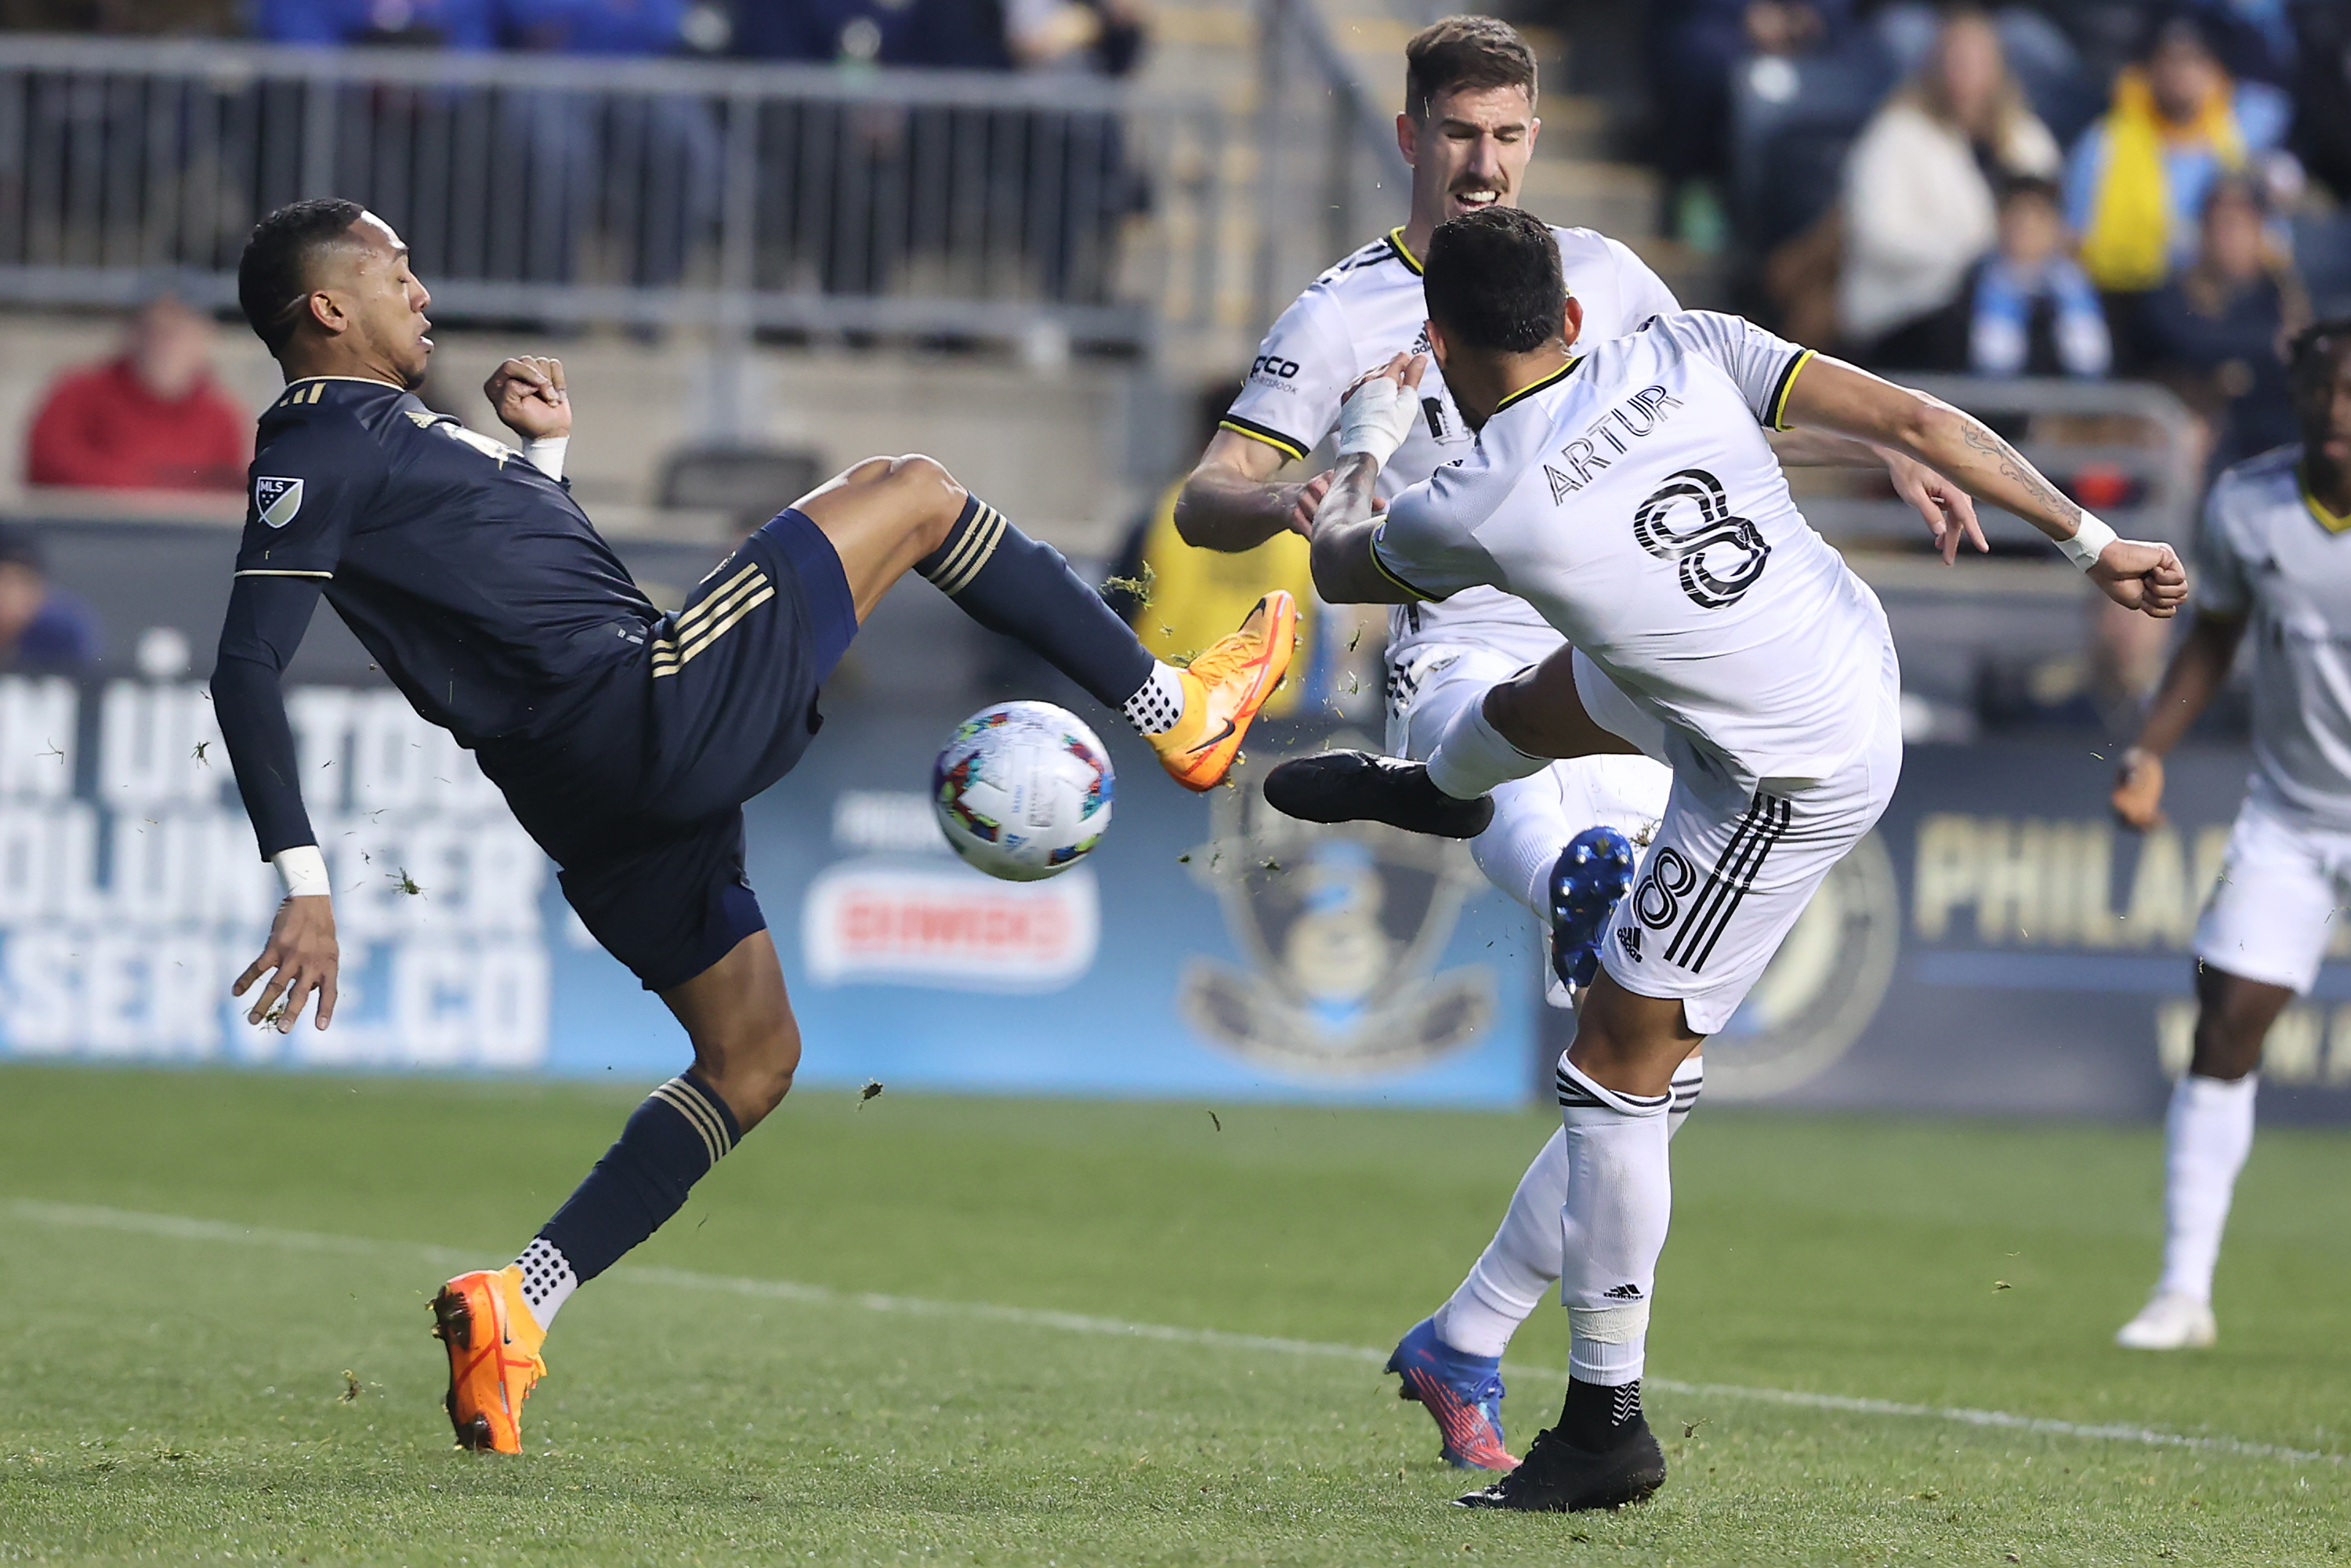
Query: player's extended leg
[747, 1046]
[2207, 1136]
[1452, 1358]
[889, 516]
[1615, 1088]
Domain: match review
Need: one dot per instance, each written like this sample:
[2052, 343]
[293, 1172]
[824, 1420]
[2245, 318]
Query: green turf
[169, 1397]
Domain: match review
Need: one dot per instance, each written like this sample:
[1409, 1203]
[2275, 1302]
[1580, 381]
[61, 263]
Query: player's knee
[933, 498]
[753, 1066]
[2228, 1045]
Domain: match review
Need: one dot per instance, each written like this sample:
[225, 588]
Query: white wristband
[1376, 420]
[302, 872]
[546, 454]
[2090, 539]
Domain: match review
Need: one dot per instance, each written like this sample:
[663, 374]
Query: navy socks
[670, 1142]
[1009, 584]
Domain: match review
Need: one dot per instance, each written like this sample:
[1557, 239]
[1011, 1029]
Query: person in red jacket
[152, 418]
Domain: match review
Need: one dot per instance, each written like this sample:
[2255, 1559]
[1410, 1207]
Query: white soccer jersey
[1633, 499]
[1370, 307]
[2273, 554]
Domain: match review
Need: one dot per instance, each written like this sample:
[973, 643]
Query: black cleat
[1363, 787]
[1556, 1477]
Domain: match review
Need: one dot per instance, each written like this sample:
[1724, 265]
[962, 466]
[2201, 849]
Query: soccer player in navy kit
[625, 740]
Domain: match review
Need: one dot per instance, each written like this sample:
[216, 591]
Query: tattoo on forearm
[2013, 467]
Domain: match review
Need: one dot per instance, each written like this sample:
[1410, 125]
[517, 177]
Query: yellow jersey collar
[2333, 523]
[1403, 252]
[1532, 388]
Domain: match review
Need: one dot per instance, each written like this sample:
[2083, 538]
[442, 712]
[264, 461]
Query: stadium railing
[2127, 450]
[648, 194]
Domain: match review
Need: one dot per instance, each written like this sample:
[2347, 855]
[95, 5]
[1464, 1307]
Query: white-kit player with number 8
[1563, 841]
[1625, 489]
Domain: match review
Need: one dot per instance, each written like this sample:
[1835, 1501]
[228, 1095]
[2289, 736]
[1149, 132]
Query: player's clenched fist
[2140, 576]
[528, 393]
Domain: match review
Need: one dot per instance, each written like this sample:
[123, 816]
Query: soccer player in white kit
[2273, 562]
[1626, 490]
[1561, 842]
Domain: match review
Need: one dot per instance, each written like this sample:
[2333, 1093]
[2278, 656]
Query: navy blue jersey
[475, 579]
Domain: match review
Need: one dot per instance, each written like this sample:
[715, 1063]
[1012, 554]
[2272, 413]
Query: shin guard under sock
[1619, 1203]
[1010, 583]
[670, 1143]
[2207, 1136]
[1528, 1253]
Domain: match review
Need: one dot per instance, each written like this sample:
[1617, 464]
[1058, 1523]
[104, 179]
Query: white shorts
[1435, 684]
[1732, 871]
[2270, 916]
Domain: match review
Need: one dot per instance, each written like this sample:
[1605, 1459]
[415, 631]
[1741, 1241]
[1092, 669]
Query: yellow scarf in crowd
[2128, 248]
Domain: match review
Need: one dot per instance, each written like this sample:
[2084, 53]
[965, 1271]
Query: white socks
[1528, 1253]
[1471, 757]
[2207, 1136]
[1517, 852]
[1620, 1199]
[1154, 709]
[547, 1281]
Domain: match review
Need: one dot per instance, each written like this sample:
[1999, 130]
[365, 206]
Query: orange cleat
[494, 1360]
[1222, 691]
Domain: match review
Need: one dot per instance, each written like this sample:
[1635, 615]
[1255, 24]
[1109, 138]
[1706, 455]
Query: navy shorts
[724, 705]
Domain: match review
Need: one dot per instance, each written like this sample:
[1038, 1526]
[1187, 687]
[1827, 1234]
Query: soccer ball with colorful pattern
[1023, 790]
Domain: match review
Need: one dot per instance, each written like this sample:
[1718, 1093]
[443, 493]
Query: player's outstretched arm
[1829, 395]
[1231, 501]
[2197, 670]
[266, 618]
[1947, 510]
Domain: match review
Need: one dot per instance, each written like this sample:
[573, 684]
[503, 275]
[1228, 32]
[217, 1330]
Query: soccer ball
[1023, 790]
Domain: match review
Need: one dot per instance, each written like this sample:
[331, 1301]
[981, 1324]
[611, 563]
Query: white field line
[180, 1228]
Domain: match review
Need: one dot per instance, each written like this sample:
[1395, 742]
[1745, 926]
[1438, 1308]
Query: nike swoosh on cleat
[1213, 739]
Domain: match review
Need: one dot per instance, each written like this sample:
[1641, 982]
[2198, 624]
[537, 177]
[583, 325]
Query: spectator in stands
[2135, 184]
[950, 35]
[1101, 37]
[2217, 330]
[44, 629]
[442, 24]
[2321, 96]
[659, 155]
[1694, 46]
[151, 418]
[172, 18]
[2029, 308]
[1917, 208]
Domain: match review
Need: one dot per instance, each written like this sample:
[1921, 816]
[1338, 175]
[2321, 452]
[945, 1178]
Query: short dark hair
[2017, 187]
[273, 277]
[2312, 353]
[1464, 51]
[1492, 280]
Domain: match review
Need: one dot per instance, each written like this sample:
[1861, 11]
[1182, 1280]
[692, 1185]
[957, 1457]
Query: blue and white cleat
[1590, 875]
[1463, 1394]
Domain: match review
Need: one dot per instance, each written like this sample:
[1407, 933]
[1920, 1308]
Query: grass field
[190, 1263]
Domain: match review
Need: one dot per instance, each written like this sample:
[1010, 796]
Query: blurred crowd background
[1040, 236]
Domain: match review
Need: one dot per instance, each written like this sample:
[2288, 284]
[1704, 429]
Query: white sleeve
[1425, 544]
[1645, 294]
[2222, 589]
[1762, 364]
[1290, 401]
